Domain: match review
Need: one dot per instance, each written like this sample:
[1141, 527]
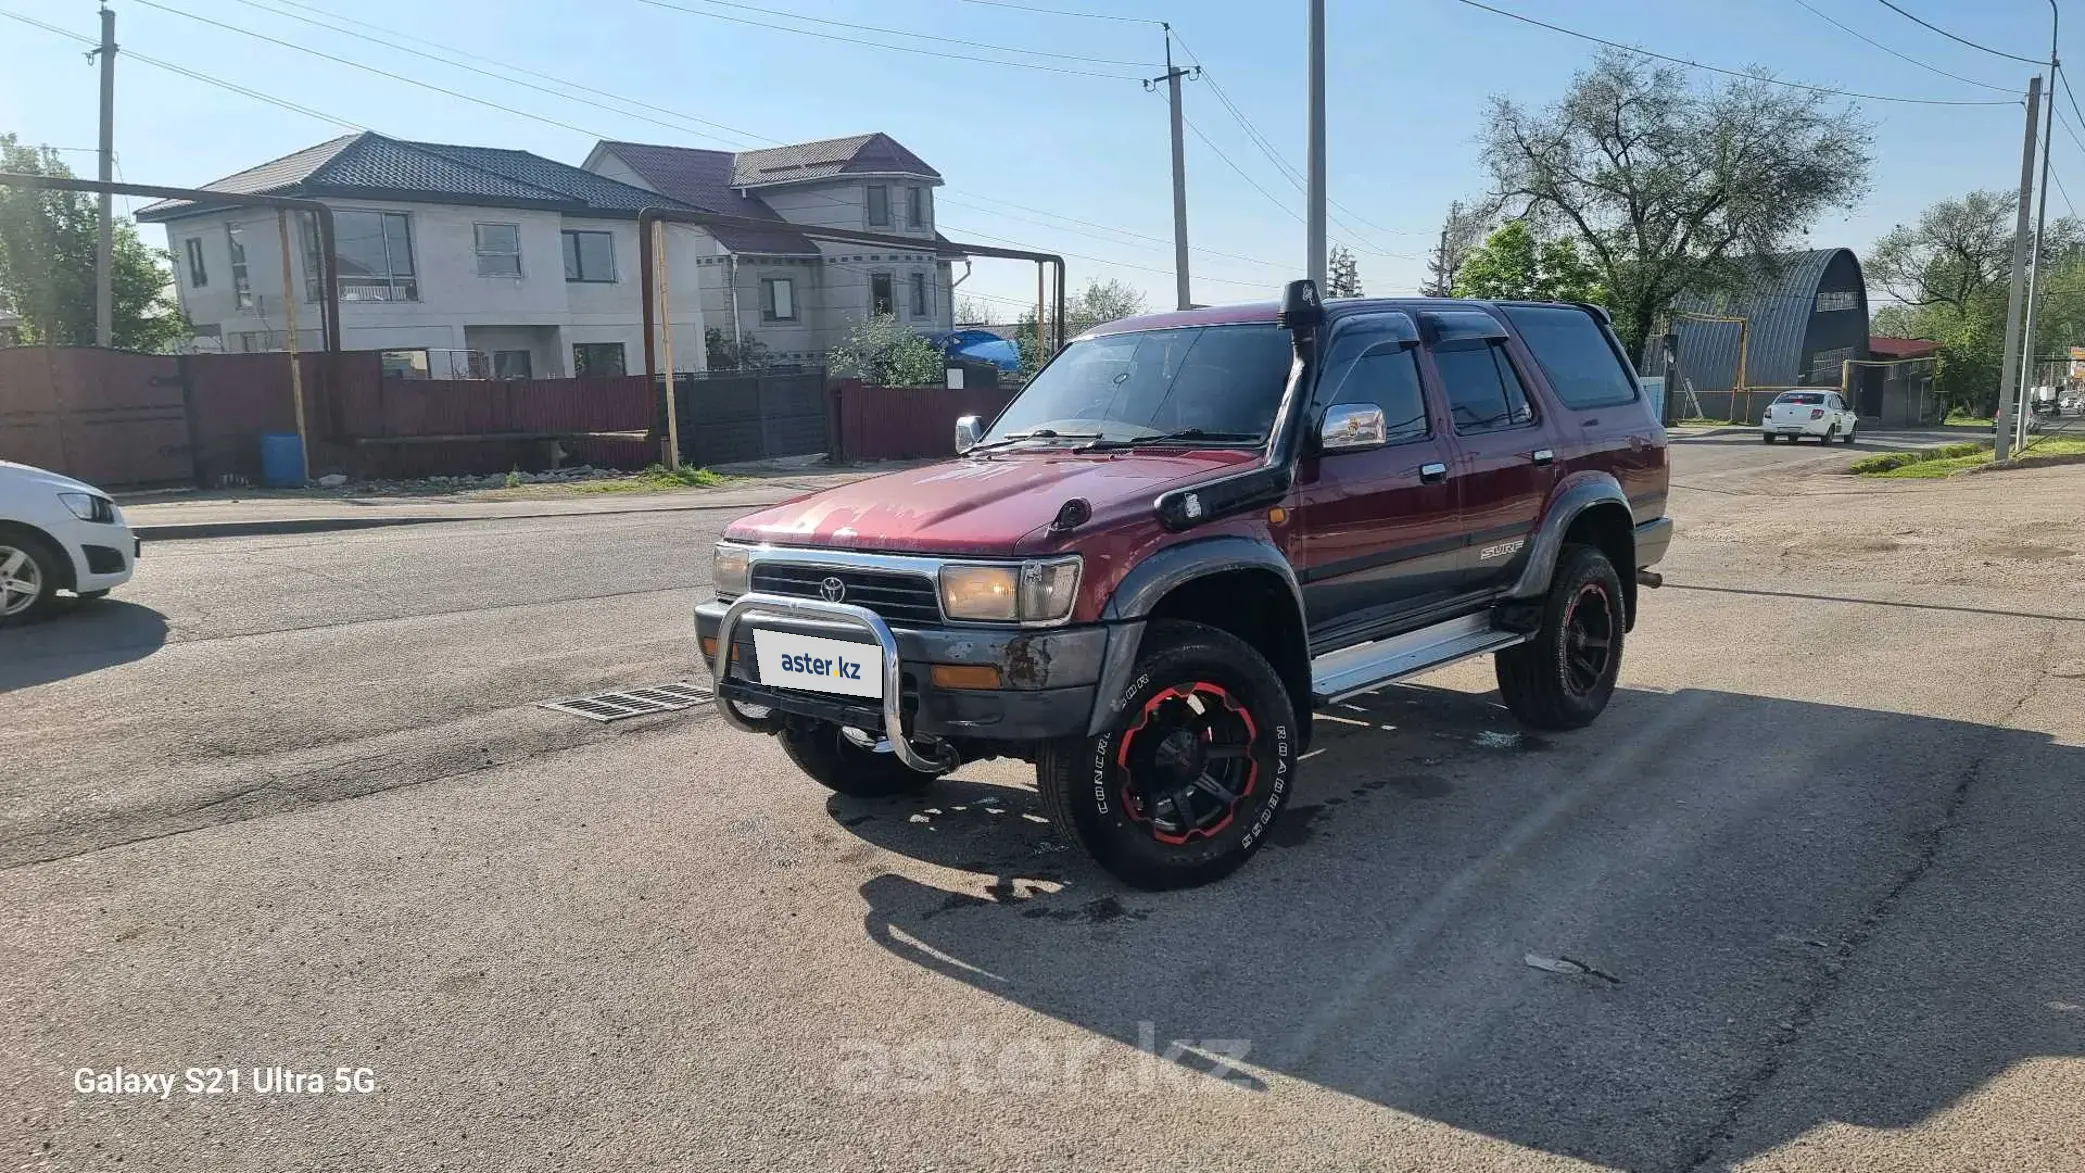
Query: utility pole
[1172, 78]
[2041, 218]
[2009, 369]
[1314, 224]
[104, 252]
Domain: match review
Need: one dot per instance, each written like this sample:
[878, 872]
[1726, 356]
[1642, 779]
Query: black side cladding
[1183, 509]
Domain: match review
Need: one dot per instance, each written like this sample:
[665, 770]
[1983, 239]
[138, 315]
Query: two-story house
[455, 260]
[461, 261]
[796, 295]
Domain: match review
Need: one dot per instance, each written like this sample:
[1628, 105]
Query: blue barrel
[282, 460]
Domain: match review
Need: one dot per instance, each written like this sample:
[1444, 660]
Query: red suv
[1187, 532]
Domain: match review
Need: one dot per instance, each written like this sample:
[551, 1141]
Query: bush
[1885, 461]
[881, 352]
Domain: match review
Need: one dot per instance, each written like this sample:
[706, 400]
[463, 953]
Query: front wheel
[1563, 677]
[1182, 788]
[1766, 437]
[850, 762]
[29, 576]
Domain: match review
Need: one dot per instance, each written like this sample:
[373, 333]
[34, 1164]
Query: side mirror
[1352, 426]
[968, 429]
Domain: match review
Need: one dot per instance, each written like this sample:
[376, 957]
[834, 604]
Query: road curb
[274, 526]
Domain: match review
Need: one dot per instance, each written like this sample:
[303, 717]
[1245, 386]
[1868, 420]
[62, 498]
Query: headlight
[88, 507]
[1030, 592]
[730, 570]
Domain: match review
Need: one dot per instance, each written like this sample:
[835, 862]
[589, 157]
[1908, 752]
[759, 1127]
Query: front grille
[897, 596]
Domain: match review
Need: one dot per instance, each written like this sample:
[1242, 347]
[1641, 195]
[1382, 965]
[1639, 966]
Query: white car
[57, 534]
[1796, 414]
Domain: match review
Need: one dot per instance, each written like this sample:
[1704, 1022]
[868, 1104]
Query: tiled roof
[371, 163]
[702, 179]
[854, 155]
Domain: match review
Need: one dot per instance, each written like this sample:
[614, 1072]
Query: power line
[1241, 171]
[1065, 12]
[870, 28]
[1961, 40]
[1892, 52]
[1794, 85]
[1096, 260]
[2064, 79]
[1156, 241]
[879, 45]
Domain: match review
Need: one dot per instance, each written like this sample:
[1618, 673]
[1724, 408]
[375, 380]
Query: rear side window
[1483, 392]
[1582, 368]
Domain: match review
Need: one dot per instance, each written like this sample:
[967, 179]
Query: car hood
[984, 505]
[28, 476]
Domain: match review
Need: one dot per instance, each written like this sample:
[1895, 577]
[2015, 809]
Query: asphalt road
[290, 802]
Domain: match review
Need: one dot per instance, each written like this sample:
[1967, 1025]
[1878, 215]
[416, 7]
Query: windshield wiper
[1172, 438]
[1035, 434]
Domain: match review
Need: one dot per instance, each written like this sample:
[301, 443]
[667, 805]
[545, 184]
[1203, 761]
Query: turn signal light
[709, 647]
[965, 676]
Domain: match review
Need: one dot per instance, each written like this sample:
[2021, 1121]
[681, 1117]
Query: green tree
[1663, 186]
[883, 352]
[1098, 303]
[1461, 233]
[47, 246]
[1513, 264]
[722, 353]
[1342, 275]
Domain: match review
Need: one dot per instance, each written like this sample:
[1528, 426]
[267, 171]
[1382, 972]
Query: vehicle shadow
[84, 635]
[1687, 934]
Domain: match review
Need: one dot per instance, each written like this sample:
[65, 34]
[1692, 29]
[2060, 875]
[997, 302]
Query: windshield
[1811, 397]
[1223, 381]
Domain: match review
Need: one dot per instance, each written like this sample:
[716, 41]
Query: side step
[1337, 675]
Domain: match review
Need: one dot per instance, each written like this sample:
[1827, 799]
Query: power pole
[105, 248]
[2009, 369]
[1172, 78]
[2041, 218]
[1314, 224]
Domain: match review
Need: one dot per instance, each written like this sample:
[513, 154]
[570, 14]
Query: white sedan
[1796, 414]
[57, 534]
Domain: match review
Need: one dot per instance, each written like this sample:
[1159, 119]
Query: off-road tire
[50, 570]
[1109, 794]
[843, 767]
[1540, 680]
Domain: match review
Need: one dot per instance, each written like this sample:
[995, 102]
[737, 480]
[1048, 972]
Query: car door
[1505, 458]
[1840, 412]
[1376, 538]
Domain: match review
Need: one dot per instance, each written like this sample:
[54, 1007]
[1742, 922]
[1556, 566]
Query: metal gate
[107, 417]
[751, 415]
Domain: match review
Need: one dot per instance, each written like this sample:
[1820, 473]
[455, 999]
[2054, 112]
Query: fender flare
[1573, 499]
[1150, 581]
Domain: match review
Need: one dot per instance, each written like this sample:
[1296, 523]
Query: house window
[499, 249]
[915, 207]
[881, 300]
[197, 276]
[242, 290]
[510, 364]
[598, 358]
[1838, 299]
[589, 256]
[375, 254]
[879, 206]
[919, 295]
[777, 299]
[404, 364]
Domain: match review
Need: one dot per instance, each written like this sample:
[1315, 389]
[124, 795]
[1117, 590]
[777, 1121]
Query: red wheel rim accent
[1186, 765]
[1587, 638]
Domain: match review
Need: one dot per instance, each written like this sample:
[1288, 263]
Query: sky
[1036, 120]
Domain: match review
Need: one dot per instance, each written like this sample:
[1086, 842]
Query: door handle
[1433, 474]
[1542, 456]
[1593, 423]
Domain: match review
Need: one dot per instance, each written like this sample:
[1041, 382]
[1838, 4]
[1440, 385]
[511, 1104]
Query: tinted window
[1370, 363]
[1806, 397]
[1217, 378]
[1582, 368]
[1483, 392]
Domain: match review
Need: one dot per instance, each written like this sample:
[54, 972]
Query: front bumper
[1048, 677]
[103, 556]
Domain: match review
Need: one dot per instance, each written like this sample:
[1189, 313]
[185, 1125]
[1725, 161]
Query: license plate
[819, 665]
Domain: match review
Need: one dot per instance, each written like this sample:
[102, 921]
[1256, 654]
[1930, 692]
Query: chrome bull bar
[945, 758]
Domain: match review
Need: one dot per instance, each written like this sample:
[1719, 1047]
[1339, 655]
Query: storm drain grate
[632, 702]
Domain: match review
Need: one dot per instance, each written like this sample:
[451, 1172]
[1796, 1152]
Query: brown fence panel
[108, 417]
[906, 423]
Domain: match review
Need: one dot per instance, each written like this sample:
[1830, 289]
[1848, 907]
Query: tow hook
[1649, 577]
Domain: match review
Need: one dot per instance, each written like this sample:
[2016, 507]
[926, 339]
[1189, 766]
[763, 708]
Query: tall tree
[47, 247]
[1461, 233]
[1342, 274]
[1514, 264]
[1101, 301]
[1664, 186]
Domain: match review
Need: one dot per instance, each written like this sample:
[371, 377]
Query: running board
[1338, 675]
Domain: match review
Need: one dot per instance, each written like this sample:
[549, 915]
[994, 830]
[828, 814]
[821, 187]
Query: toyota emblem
[832, 590]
